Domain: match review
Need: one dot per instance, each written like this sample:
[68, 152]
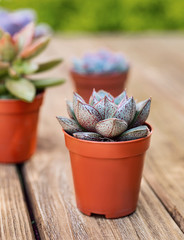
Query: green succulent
[106, 118]
[16, 66]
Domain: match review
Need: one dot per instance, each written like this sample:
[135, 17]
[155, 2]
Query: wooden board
[48, 174]
[14, 219]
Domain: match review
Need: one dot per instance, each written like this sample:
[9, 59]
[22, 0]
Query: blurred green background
[106, 15]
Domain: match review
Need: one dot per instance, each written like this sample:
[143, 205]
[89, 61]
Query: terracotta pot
[107, 175]
[113, 83]
[18, 129]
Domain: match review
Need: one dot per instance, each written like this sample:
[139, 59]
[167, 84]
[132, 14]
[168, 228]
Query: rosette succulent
[13, 21]
[106, 118]
[16, 66]
[100, 62]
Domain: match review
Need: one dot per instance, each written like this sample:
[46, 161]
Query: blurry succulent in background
[106, 118]
[16, 53]
[13, 22]
[42, 29]
[101, 62]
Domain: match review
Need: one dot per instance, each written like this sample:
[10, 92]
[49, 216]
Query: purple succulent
[100, 62]
[42, 29]
[13, 22]
[106, 118]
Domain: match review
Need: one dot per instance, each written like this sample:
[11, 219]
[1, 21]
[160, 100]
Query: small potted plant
[20, 95]
[107, 141]
[100, 70]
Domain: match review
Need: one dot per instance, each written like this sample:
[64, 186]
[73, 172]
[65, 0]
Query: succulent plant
[100, 62]
[13, 21]
[16, 53]
[106, 118]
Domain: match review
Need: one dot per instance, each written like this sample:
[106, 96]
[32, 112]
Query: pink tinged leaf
[126, 111]
[8, 49]
[90, 136]
[76, 98]
[69, 125]
[105, 107]
[35, 48]
[87, 116]
[70, 110]
[24, 38]
[100, 106]
[121, 98]
[94, 98]
[103, 93]
[110, 108]
[142, 112]
[134, 133]
[111, 127]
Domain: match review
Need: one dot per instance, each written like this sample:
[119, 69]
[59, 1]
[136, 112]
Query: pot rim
[100, 74]
[113, 143]
[39, 95]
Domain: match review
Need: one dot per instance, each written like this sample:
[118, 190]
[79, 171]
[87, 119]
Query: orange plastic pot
[18, 129]
[113, 83]
[107, 175]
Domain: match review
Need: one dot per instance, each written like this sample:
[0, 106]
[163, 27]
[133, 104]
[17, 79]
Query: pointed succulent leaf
[69, 125]
[126, 111]
[47, 82]
[22, 89]
[24, 68]
[70, 110]
[111, 127]
[106, 107]
[103, 93]
[7, 48]
[24, 37]
[96, 95]
[94, 98]
[76, 98]
[35, 48]
[87, 116]
[90, 136]
[142, 112]
[100, 106]
[121, 98]
[48, 65]
[134, 133]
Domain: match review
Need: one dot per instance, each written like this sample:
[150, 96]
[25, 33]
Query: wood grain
[48, 175]
[14, 219]
[158, 71]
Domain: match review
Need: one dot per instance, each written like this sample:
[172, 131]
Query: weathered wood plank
[14, 219]
[51, 193]
[48, 175]
[158, 71]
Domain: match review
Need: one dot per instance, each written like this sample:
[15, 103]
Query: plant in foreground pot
[107, 140]
[21, 95]
[100, 70]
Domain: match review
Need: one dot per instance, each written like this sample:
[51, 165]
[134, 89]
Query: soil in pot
[18, 128]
